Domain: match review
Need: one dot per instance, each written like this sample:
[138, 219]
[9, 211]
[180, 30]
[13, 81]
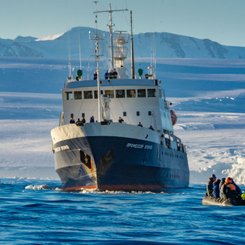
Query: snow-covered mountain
[160, 45]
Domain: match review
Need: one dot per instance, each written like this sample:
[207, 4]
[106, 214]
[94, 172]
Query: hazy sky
[219, 20]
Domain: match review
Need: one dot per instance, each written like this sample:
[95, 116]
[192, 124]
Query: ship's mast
[110, 25]
[132, 46]
[69, 59]
[79, 50]
[97, 56]
[98, 76]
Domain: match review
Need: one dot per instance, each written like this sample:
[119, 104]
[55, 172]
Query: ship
[115, 131]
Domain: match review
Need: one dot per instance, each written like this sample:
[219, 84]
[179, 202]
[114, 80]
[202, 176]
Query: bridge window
[96, 93]
[78, 95]
[69, 96]
[120, 93]
[124, 113]
[149, 113]
[137, 113]
[131, 93]
[88, 95]
[141, 93]
[151, 92]
[109, 93]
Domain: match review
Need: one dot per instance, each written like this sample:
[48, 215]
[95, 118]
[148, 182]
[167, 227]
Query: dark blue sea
[37, 212]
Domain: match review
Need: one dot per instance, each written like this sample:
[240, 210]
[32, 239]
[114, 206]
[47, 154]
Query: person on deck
[72, 120]
[140, 124]
[120, 120]
[92, 119]
[83, 120]
[78, 122]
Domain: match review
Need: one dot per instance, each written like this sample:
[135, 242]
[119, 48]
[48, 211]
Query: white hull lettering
[61, 148]
[139, 146]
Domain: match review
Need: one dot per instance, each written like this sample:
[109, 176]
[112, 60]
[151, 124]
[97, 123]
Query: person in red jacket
[231, 190]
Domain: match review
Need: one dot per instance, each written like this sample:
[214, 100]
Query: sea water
[38, 212]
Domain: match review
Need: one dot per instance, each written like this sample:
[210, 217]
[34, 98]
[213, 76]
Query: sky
[218, 20]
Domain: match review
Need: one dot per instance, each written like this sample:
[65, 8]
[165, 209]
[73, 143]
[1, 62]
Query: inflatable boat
[207, 200]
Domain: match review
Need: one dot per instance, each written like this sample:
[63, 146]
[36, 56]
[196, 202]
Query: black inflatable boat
[207, 200]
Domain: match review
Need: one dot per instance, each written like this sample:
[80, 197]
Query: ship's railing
[167, 138]
[172, 142]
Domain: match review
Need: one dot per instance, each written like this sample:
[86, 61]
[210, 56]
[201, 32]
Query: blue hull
[121, 164]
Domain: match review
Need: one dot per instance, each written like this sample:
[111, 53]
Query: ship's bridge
[133, 100]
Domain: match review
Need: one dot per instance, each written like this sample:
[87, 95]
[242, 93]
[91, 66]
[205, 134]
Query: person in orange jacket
[230, 189]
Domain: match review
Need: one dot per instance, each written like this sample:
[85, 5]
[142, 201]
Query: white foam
[37, 187]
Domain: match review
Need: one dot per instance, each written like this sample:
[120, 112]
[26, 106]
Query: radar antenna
[110, 25]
